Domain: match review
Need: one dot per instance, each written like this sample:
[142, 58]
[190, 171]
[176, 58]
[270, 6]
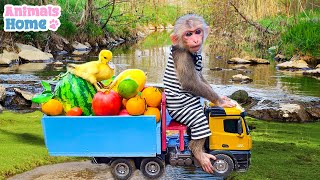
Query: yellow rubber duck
[94, 71]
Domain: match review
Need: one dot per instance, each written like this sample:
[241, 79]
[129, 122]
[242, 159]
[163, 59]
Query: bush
[67, 28]
[303, 37]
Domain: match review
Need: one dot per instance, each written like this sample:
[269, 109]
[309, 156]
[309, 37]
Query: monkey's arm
[189, 78]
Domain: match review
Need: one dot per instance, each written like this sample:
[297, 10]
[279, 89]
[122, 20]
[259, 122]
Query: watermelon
[73, 91]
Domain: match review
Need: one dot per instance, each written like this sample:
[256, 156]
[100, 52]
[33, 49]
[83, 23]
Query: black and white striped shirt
[182, 105]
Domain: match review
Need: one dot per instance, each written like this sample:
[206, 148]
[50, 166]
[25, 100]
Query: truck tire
[122, 169]
[223, 165]
[152, 168]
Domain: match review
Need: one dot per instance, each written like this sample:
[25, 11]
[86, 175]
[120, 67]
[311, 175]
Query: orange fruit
[124, 102]
[152, 95]
[136, 106]
[52, 108]
[153, 111]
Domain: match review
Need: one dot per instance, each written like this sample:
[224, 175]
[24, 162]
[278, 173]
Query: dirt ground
[84, 170]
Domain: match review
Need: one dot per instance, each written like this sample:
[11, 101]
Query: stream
[150, 55]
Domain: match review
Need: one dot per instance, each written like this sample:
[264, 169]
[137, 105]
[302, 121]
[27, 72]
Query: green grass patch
[22, 144]
[304, 36]
[283, 151]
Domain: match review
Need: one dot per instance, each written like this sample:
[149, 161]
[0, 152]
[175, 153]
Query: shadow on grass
[25, 137]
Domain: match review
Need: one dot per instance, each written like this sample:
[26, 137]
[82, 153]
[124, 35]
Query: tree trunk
[105, 24]
[87, 13]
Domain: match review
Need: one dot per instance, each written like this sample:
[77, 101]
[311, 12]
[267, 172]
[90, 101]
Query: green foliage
[304, 37]
[92, 30]
[67, 28]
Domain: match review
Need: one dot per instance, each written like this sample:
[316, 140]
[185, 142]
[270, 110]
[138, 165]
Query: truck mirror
[239, 127]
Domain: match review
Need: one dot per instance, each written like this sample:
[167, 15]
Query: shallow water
[268, 83]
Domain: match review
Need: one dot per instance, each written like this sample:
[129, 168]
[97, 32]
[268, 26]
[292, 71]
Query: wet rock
[81, 52]
[241, 96]
[2, 93]
[280, 58]
[59, 44]
[32, 67]
[78, 46]
[237, 60]
[299, 64]
[18, 102]
[247, 60]
[104, 42]
[120, 40]
[312, 72]
[25, 94]
[88, 45]
[314, 111]
[255, 60]
[30, 53]
[286, 111]
[241, 78]
[7, 58]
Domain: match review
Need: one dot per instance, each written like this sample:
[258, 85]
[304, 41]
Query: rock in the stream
[2, 94]
[30, 53]
[25, 94]
[286, 111]
[299, 64]
[241, 78]
[313, 72]
[247, 60]
[237, 60]
[21, 100]
[7, 58]
[241, 97]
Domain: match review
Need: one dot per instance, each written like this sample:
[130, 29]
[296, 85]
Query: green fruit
[128, 88]
[73, 91]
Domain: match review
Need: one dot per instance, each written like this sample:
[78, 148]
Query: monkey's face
[192, 39]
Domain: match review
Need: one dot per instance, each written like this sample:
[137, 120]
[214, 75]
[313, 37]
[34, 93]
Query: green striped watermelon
[73, 91]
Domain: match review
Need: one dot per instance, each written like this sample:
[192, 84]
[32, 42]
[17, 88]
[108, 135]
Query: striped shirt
[182, 105]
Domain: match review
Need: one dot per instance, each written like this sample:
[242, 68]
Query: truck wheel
[152, 168]
[223, 165]
[122, 169]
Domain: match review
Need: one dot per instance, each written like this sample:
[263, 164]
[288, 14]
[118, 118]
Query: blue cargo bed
[102, 136]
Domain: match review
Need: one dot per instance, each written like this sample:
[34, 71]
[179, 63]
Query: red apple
[106, 104]
[124, 112]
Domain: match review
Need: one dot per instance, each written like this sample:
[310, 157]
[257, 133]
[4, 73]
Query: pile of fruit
[126, 95]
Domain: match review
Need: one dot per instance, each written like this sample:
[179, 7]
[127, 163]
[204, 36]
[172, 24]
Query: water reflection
[187, 173]
[151, 55]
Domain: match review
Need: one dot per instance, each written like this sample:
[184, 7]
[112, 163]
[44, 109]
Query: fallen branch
[252, 23]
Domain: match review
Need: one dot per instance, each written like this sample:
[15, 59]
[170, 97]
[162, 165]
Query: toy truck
[130, 142]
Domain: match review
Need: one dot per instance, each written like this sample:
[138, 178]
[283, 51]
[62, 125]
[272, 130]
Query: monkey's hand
[205, 162]
[226, 103]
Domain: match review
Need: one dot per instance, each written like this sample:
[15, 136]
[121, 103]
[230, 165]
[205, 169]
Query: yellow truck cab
[230, 140]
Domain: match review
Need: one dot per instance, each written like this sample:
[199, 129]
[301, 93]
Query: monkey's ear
[174, 39]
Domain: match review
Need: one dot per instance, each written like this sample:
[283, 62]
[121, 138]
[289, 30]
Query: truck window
[230, 125]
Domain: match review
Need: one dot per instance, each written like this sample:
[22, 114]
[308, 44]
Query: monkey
[184, 84]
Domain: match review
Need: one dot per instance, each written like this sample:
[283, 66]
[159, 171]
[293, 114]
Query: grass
[284, 151]
[22, 144]
[280, 150]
